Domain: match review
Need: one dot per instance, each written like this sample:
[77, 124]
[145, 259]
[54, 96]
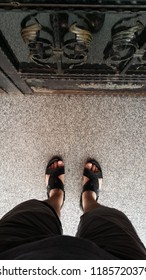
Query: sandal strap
[54, 182]
[92, 184]
[92, 175]
[55, 172]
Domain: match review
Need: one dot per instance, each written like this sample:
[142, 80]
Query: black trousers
[107, 227]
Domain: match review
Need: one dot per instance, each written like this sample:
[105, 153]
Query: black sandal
[92, 184]
[54, 182]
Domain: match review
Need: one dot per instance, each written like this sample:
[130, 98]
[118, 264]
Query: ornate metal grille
[85, 45]
[66, 39]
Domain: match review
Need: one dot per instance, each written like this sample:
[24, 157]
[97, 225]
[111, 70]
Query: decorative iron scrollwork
[125, 42]
[62, 39]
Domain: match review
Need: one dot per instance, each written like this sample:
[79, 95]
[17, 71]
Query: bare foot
[56, 193]
[89, 196]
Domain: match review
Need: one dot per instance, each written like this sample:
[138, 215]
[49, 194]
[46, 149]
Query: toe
[93, 167]
[96, 169]
[60, 163]
[55, 164]
[88, 165]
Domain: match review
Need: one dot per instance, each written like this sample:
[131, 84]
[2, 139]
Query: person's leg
[27, 222]
[33, 219]
[107, 227]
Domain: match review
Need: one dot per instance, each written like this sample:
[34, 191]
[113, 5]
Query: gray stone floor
[111, 129]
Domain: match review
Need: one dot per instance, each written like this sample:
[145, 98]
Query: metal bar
[70, 6]
[6, 85]
[12, 74]
[88, 77]
[101, 79]
[100, 92]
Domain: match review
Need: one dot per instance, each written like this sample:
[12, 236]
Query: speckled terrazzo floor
[111, 129]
